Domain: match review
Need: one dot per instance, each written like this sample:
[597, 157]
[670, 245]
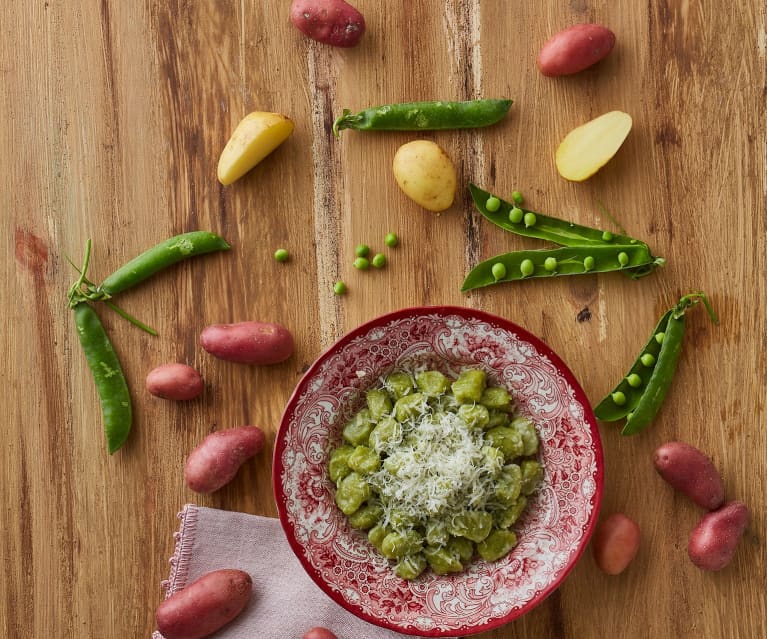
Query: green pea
[379, 260]
[530, 219]
[516, 215]
[648, 360]
[281, 255]
[588, 263]
[619, 398]
[550, 264]
[362, 263]
[659, 337]
[499, 271]
[607, 236]
[492, 204]
[339, 288]
[634, 380]
[527, 268]
[517, 197]
[391, 240]
[623, 258]
[361, 250]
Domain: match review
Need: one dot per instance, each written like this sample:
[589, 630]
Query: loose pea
[619, 398]
[516, 215]
[517, 197]
[550, 264]
[659, 337]
[634, 380]
[379, 260]
[527, 268]
[281, 255]
[623, 258]
[361, 250]
[362, 263]
[588, 263]
[339, 288]
[648, 360]
[607, 236]
[499, 271]
[492, 204]
[530, 219]
[391, 240]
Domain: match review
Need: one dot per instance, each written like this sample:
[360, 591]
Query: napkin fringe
[182, 553]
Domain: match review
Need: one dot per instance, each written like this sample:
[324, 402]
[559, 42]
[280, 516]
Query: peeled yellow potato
[588, 148]
[256, 136]
[425, 174]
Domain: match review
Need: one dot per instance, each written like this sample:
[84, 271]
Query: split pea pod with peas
[640, 394]
[424, 116]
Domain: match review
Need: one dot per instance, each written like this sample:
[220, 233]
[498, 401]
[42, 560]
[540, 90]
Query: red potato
[333, 22]
[713, 541]
[319, 633]
[248, 342]
[616, 543]
[215, 462]
[575, 49]
[205, 605]
[174, 381]
[688, 470]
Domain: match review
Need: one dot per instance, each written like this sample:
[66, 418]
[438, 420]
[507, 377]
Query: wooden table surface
[114, 115]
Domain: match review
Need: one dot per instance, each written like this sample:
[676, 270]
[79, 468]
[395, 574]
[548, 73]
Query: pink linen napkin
[285, 601]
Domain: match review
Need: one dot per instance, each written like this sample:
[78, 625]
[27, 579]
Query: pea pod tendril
[654, 368]
[424, 116]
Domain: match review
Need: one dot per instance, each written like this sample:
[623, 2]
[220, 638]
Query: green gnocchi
[436, 471]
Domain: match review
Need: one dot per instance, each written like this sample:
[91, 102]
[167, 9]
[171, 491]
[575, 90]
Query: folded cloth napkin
[285, 601]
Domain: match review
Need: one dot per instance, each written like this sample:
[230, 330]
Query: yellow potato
[425, 174]
[256, 136]
[588, 148]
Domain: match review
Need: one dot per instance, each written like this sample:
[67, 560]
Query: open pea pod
[640, 394]
[544, 227]
[575, 260]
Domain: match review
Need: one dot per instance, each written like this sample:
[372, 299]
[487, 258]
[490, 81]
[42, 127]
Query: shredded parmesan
[435, 470]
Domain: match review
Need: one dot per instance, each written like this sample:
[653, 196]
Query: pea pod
[639, 395]
[160, 256]
[116, 408]
[568, 260]
[424, 116]
[545, 228]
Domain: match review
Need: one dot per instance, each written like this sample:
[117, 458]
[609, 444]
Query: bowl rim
[467, 313]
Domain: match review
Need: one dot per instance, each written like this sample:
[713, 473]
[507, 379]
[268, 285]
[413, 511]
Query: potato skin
[332, 22]
[713, 541]
[425, 174]
[690, 471]
[174, 381]
[616, 543]
[575, 49]
[205, 605]
[319, 633]
[215, 462]
[248, 342]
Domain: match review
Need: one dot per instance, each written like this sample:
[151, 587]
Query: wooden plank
[115, 116]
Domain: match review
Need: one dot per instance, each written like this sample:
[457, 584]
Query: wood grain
[114, 116]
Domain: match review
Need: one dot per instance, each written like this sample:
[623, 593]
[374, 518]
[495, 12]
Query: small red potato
[205, 605]
[248, 342]
[615, 543]
[333, 22]
[174, 381]
[575, 49]
[319, 633]
[688, 470]
[215, 462]
[713, 541]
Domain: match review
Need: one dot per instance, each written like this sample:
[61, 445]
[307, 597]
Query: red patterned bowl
[557, 523]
